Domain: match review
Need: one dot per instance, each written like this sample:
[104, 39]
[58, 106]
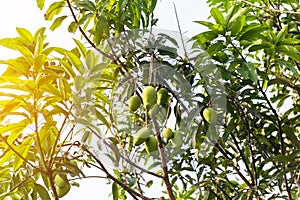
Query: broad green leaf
[39, 62]
[99, 67]
[252, 72]
[253, 34]
[40, 4]
[38, 39]
[54, 9]
[202, 38]
[27, 54]
[237, 25]
[115, 191]
[76, 62]
[281, 35]
[217, 15]
[19, 65]
[241, 12]
[81, 47]
[290, 51]
[152, 5]
[289, 41]
[88, 5]
[24, 33]
[80, 82]
[102, 29]
[90, 59]
[205, 23]
[214, 48]
[51, 89]
[258, 47]
[72, 27]
[101, 117]
[10, 43]
[57, 22]
[43, 193]
[68, 68]
[15, 129]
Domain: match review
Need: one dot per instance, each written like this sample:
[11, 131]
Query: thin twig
[180, 32]
[270, 10]
[133, 193]
[84, 34]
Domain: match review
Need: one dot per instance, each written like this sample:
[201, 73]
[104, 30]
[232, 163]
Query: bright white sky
[21, 13]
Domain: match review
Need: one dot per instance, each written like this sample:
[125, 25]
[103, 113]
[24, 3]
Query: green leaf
[217, 15]
[72, 27]
[40, 4]
[115, 191]
[90, 59]
[38, 39]
[57, 22]
[252, 72]
[76, 62]
[88, 5]
[101, 118]
[214, 48]
[258, 47]
[24, 33]
[236, 26]
[281, 35]
[253, 34]
[23, 150]
[290, 51]
[54, 9]
[205, 23]
[43, 193]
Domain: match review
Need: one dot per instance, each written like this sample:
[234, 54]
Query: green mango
[134, 103]
[162, 96]
[151, 144]
[168, 133]
[149, 97]
[141, 136]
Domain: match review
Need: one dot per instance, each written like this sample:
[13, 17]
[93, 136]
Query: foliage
[50, 96]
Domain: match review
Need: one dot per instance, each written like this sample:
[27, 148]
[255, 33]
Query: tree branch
[163, 160]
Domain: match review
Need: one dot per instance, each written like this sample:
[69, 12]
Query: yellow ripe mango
[134, 103]
[149, 97]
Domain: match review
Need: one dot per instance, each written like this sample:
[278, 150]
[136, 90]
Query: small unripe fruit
[210, 115]
[162, 96]
[168, 133]
[151, 144]
[134, 103]
[62, 191]
[149, 96]
[141, 136]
